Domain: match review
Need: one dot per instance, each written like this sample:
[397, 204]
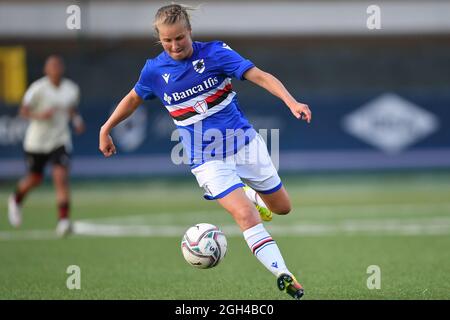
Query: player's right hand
[107, 146]
[48, 114]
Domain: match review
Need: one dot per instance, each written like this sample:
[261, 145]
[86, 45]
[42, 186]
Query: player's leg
[241, 209]
[259, 240]
[60, 180]
[264, 211]
[220, 181]
[257, 170]
[60, 176]
[278, 201]
[33, 178]
[264, 187]
[26, 184]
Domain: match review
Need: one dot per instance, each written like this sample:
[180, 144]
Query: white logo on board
[390, 123]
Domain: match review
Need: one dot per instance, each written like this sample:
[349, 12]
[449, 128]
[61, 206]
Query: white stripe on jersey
[193, 101]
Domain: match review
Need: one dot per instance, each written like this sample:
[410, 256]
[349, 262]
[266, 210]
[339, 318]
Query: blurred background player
[193, 81]
[50, 104]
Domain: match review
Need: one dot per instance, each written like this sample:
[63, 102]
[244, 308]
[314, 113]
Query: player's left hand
[78, 123]
[106, 145]
[301, 111]
[80, 128]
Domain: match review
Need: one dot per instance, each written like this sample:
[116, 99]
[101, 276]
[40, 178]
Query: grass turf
[414, 265]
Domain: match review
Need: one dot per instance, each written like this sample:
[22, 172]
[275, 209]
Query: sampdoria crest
[199, 65]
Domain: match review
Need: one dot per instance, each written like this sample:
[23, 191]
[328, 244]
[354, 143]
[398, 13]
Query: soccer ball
[204, 245]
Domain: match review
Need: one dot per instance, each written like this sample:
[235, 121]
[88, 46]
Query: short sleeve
[231, 62]
[31, 96]
[143, 87]
[76, 97]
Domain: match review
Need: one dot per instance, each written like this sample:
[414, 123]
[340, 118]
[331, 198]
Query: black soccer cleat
[289, 284]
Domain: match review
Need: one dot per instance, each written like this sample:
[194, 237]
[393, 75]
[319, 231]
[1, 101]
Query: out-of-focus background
[369, 177]
[379, 96]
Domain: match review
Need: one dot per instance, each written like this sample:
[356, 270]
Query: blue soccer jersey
[198, 94]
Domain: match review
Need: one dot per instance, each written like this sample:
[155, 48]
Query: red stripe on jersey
[210, 99]
[219, 93]
[180, 112]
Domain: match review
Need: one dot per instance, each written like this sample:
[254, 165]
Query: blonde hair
[172, 14]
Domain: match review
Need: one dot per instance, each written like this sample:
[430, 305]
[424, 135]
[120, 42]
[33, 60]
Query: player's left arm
[275, 87]
[77, 120]
[75, 117]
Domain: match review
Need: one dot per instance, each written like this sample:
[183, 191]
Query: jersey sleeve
[76, 95]
[143, 87]
[231, 62]
[31, 96]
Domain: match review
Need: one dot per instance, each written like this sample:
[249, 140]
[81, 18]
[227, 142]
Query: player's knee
[36, 179]
[283, 209]
[246, 216]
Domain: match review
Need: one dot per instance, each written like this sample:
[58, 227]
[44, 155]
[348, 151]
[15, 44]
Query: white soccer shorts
[251, 165]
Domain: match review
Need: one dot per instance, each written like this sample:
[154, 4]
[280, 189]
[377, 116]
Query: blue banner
[358, 131]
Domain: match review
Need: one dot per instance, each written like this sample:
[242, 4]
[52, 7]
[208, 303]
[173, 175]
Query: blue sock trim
[278, 187]
[224, 193]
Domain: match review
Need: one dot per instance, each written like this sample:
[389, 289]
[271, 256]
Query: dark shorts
[36, 161]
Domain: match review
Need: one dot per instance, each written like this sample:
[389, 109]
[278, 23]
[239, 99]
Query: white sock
[265, 249]
[254, 197]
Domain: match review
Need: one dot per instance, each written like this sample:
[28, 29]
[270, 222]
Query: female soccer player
[193, 81]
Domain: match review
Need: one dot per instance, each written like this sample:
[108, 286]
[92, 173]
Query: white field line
[355, 219]
[28, 235]
[431, 226]
[356, 211]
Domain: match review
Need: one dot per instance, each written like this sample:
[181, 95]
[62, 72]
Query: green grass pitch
[128, 240]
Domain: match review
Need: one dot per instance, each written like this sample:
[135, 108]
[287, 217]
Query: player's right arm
[123, 110]
[30, 101]
[27, 113]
